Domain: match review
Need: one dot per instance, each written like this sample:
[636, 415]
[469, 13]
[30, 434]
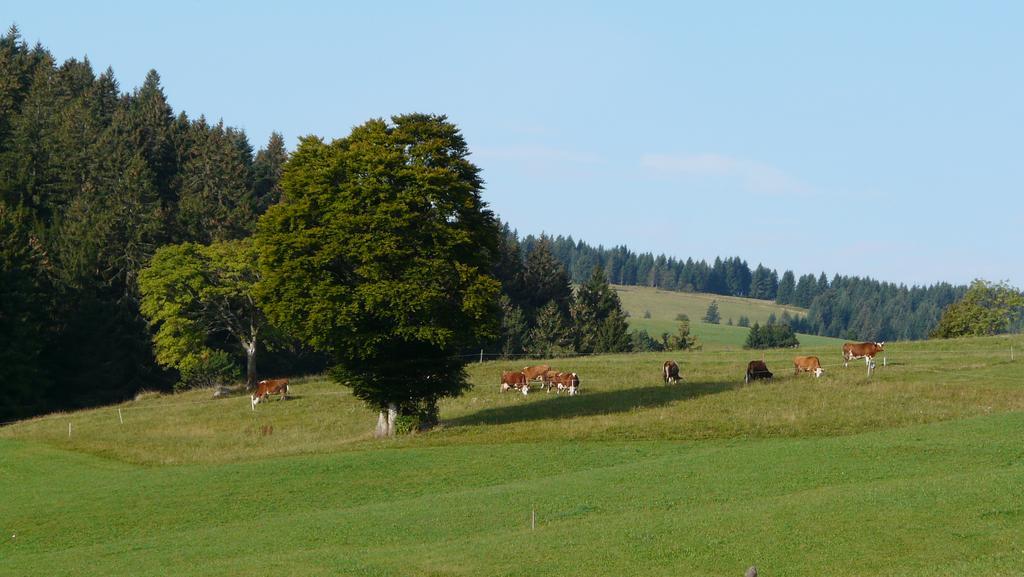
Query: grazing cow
[536, 372]
[808, 365]
[757, 370]
[548, 379]
[269, 387]
[670, 372]
[514, 380]
[567, 382]
[866, 351]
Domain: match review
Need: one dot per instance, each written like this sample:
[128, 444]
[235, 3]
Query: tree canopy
[986, 309]
[381, 255]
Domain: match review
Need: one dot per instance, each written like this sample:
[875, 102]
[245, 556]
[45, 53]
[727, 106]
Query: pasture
[663, 307]
[914, 472]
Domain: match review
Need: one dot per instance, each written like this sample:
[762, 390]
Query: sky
[875, 139]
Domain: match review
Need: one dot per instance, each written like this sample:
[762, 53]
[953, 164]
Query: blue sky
[876, 139]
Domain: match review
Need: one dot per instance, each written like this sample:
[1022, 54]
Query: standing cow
[866, 351]
[670, 372]
[536, 372]
[757, 370]
[808, 365]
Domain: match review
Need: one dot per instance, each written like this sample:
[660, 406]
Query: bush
[771, 337]
[643, 342]
[419, 417]
[208, 369]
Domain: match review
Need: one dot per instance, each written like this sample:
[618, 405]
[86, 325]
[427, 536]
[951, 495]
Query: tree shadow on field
[589, 404]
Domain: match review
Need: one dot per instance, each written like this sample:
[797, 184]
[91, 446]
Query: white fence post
[119, 417]
[481, 355]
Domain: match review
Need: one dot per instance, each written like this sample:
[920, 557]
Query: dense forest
[92, 181]
[846, 306]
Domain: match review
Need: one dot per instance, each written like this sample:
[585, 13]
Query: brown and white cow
[757, 370]
[670, 372]
[808, 365]
[866, 351]
[514, 380]
[548, 379]
[269, 387]
[536, 372]
[567, 382]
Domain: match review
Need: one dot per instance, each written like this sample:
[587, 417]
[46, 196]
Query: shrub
[207, 369]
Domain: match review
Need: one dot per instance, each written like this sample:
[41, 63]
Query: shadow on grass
[587, 404]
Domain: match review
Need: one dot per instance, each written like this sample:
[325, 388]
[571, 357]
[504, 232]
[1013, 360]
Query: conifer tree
[597, 315]
[267, 168]
[712, 315]
[787, 284]
[545, 279]
[550, 336]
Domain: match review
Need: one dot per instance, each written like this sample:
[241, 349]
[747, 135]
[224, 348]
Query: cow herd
[551, 380]
[548, 379]
[809, 364]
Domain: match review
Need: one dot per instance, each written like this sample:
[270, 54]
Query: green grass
[916, 471]
[664, 306]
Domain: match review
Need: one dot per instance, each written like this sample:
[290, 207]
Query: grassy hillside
[664, 306]
[914, 472]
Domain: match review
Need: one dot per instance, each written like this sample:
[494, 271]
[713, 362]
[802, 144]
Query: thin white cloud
[756, 177]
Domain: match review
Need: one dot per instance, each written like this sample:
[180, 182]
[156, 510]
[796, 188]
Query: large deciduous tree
[986, 309]
[192, 292]
[380, 254]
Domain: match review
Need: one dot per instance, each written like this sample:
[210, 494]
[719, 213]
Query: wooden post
[1011, 353]
[885, 360]
[481, 355]
[119, 417]
[69, 430]
[533, 518]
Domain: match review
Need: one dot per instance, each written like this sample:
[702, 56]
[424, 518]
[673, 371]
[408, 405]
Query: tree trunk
[386, 421]
[250, 365]
[392, 418]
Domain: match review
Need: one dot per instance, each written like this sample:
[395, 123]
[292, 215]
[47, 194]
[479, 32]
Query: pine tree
[545, 279]
[712, 315]
[787, 286]
[216, 197]
[267, 169]
[550, 336]
[598, 319]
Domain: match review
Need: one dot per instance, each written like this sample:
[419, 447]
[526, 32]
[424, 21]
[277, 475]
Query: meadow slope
[663, 307]
[914, 472]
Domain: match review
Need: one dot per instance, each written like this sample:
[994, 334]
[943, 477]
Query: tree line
[92, 181]
[847, 307]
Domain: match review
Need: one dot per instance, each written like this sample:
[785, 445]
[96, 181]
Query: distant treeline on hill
[846, 307]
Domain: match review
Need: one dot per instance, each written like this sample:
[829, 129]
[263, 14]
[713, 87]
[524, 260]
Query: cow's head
[881, 346]
[818, 372]
[255, 398]
[525, 388]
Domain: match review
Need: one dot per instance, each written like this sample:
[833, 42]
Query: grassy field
[916, 471]
[664, 306]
